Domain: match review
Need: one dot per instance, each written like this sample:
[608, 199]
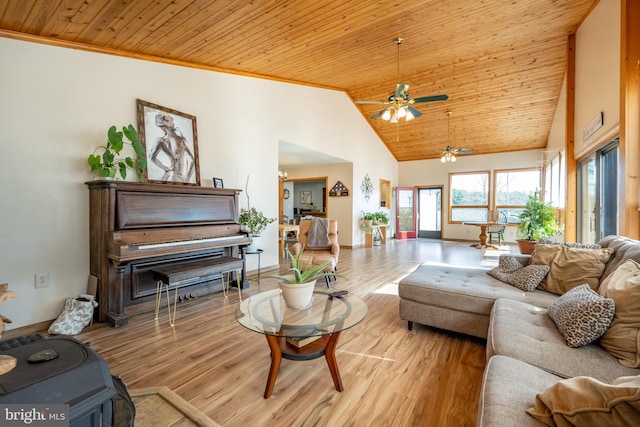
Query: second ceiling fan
[400, 103]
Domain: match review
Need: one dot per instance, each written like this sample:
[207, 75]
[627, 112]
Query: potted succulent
[297, 287]
[107, 164]
[537, 221]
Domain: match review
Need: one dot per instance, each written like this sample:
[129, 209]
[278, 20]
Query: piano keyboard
[185, 242]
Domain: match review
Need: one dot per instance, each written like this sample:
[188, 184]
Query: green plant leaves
[107, 165]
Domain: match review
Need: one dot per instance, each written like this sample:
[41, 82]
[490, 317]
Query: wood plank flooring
[392, 376]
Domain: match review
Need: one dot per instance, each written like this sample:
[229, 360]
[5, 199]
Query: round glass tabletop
[267, 313]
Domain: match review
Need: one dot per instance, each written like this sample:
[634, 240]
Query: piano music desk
[174, 274]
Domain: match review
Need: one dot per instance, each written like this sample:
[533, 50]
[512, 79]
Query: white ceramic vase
[297, 295]
[255, 244]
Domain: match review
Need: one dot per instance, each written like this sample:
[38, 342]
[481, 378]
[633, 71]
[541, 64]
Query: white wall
[424, 173]
[56, 105]
[597, 87]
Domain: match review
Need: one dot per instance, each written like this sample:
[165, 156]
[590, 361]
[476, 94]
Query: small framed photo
[305, 197]
[170, 140]
[217, 183]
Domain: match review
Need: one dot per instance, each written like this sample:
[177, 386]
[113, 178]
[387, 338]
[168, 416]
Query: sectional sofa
[538, 318]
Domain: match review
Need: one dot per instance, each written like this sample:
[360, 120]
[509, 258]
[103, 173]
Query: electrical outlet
[41, 280]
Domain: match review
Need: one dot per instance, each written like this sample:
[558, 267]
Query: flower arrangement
[254, 221]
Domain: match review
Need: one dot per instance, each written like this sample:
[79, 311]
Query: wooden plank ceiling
[501, 62]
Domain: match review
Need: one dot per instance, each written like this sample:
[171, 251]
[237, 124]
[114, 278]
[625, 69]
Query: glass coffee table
[301, 334]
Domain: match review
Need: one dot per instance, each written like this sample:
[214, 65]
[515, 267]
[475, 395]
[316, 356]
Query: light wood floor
[392, 376]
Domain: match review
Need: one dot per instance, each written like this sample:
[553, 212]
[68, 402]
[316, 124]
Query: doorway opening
[301, 197]
[430, 212]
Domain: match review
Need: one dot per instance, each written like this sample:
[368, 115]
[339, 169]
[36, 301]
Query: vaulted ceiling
[501, 62]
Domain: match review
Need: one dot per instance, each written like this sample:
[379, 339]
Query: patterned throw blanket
[318, 237]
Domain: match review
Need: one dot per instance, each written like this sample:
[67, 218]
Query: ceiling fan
[400, 103]
[449, 153]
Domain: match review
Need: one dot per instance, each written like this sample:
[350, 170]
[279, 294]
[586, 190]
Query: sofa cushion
[570, 267]
[526, 332]
[509, 388]
[511, 271]
[624, 249]
[582, 315]
[569, 244]
[589, 402]
[622, 339]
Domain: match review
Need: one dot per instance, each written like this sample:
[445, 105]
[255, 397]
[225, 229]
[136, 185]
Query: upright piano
[135, 227]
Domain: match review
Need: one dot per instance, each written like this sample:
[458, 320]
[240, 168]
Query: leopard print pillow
[510, 271]
[506, 266]
[582, 315]
[528, 277]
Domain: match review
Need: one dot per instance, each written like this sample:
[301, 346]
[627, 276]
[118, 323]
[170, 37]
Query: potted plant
[297, 288]
[254, 221]
[367, 218]
[382, 218]
[537, 221]
[107, 164]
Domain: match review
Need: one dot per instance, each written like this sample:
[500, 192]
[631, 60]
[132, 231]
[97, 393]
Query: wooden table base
[324, 346]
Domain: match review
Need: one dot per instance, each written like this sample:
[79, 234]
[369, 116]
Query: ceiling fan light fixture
[409, 116]
[387, 114]
[453, 158]
[394, 118]
[402, 111]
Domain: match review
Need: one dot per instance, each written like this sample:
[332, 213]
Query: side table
[259, 253]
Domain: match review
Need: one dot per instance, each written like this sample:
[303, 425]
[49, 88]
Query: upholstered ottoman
[457, 298]
[527, 333]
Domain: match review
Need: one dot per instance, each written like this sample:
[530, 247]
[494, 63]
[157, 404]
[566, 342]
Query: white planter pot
[297, 296]
[255, 244]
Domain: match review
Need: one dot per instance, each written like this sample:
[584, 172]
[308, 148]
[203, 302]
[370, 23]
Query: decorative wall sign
[366, 187]
[338, 190]
[171, 144]
[593, 126]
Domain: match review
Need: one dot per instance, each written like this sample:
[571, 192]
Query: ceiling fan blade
[464, 151]
[402, 90]
[430, 98]
[378, 114]
[415, 112]
[372, 102]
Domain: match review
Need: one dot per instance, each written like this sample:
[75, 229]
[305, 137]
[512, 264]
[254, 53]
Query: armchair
[318, 254]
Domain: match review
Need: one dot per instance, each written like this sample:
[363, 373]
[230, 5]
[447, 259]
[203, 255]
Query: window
[512, 189]
[469, 196]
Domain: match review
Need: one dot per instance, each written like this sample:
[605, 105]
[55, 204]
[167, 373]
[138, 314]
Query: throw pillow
[506, 266]
[585, 401]
[622, 339]
[510, 271]
[582, 315]
[528, 277]
[570, 267]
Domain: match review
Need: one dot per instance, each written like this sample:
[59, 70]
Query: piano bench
[176, 273]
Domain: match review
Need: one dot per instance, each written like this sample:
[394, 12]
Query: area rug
[160, 407]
